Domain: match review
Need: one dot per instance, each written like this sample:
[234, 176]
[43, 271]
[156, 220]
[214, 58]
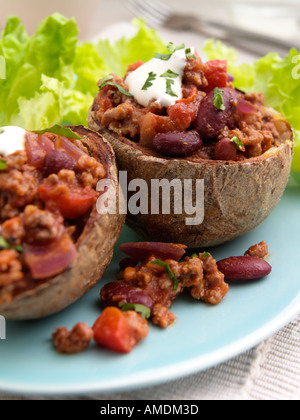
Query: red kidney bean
[246, 107]
[225, 150]
[244, 268]
[57, 160]
[142, 250]
[211, 120]
[116, 292]
[177, 143]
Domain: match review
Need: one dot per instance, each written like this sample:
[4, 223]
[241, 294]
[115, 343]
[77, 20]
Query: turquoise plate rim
[241, 322]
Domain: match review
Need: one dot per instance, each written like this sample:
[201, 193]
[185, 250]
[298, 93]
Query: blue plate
[202, 337]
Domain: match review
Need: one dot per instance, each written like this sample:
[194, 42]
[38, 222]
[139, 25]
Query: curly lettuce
[51, 77]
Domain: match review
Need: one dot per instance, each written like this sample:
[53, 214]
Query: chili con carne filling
[47, 192]
[212, 121]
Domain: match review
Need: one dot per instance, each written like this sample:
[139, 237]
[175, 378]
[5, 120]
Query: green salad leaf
[278, 78]
[51, 77]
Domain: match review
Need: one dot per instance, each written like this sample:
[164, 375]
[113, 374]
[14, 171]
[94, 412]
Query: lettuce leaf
[51, 78]
[278, 78]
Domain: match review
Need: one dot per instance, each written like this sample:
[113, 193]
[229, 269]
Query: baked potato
[241, 148]
[47, 273]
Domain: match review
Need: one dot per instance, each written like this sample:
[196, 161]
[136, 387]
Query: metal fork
[158, 14]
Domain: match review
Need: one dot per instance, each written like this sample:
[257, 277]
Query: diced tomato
[112, 330]
[46, 261]
[71, 201]
[180, 116]
[216, 74]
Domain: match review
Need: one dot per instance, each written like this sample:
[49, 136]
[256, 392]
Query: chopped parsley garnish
[5, 245]
[206, 254]
[3, 166]
[218, 100]
[1, 130]
[164, 57]
[169, 271]
[107, 80]
[60, 131]
[239, 144]
[189, 55]
[195, 256]
[169, 90]
[170, 74]
[137, 307]
[172, 48]
[148, 83]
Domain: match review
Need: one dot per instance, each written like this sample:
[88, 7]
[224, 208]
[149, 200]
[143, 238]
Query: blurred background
[280, 18]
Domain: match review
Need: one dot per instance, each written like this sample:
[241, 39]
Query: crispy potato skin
[95, 251]
[239, 196]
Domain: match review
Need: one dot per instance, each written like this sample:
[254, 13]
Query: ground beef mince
[46, 191]
[72, 342]
[260, 250]
[150, 284]
[248, 125]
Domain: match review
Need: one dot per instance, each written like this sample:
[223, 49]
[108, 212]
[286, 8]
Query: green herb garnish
[60, 130]
[169, 90]
[141, 309]
[218, 100]
[195, 256]
[148, 83]
[107, 81]
[169, 271]
[239, 144]
[164, 57]
[3, 166]
[1, 130]
[172, 48]
[170, 74]
[5, 245]
[189, 55]
[206, 254]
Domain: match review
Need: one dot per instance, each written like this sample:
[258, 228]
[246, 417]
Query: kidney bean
[116, 292]
[225, 150]
[244, 268]
[142, 250]
[57, 160]
[177, 143]
[211, 120]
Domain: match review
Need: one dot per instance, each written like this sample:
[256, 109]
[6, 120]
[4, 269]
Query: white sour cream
[159, 90]
[12, 139]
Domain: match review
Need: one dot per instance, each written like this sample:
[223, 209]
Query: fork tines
[154, 11]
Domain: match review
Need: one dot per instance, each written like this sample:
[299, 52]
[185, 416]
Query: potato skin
[239, 196]
[95, 252]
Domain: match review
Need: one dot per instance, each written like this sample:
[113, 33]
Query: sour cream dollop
[12, 139]
[164, 80]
